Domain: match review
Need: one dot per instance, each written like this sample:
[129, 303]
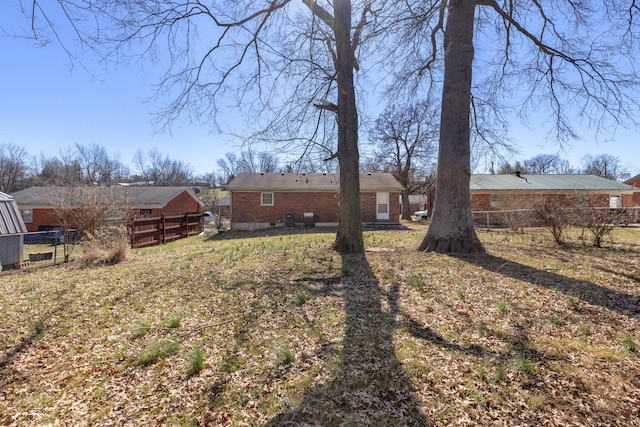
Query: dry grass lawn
[275, 329]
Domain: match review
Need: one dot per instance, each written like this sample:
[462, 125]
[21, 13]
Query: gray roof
[551, 183]
[309, 182]
[10, 219]
[139, 197]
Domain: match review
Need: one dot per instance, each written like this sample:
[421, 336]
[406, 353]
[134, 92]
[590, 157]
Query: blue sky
[49, 104]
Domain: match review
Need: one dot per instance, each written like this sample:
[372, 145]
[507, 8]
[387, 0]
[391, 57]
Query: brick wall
[42, 217]
[246, 206]
[183, 203]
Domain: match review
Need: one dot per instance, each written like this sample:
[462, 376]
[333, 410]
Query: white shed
[12, 229]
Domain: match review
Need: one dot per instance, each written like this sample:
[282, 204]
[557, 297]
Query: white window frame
[27, 215]
[262, 199]
[495, 201]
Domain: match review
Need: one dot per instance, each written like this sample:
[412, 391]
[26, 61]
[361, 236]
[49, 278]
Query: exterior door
[382, 202]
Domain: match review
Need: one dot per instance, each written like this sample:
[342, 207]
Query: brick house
[264, 200]
[635, 182]
[36, 204]
[518, 191]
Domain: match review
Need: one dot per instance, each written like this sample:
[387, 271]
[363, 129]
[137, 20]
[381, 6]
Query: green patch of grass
[142, 329]
[584, 330]
[157, 351]
[503, 308]
[629, 344]
[285, 356]
[301, 299]
[525, 358]
[556, 321]
[38, 328]
[233, 364]
[571, 302]
[344, 271]
[416, 282]
[500, 374]
[173, 321]
[195, 362]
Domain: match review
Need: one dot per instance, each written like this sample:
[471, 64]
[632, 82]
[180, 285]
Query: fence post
[164, 229]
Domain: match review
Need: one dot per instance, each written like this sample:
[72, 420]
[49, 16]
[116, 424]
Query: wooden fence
[160, 229]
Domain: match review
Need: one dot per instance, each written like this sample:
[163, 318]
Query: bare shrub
[555, 216]
[596, 221]
[109, 245]
[88, 209]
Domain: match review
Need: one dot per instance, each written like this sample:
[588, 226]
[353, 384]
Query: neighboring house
[635, 182]
[37, 204]
[263, 200]
[12, 228]
[417, 202]
[518, 191]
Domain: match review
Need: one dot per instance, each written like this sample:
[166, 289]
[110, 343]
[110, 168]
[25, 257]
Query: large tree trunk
[451, 228]
[349, 236]
[406, 208]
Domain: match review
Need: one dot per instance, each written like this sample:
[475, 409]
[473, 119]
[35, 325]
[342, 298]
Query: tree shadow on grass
[369, 387]
[611, 299]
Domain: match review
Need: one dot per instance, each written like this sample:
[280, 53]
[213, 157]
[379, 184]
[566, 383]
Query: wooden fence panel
[160, 229]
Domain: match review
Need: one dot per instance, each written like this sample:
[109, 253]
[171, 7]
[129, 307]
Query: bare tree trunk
[451, 228]
[406, 209]
[349, 236]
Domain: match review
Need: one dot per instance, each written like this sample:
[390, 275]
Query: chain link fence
[622, 226]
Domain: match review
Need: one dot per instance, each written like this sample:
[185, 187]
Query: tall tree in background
[405, 137]
[98, 167]
[14, 167]
[154, 168]
[258, 162]
[547, 163]
[604, 165]
[229, 167]
[252, 48]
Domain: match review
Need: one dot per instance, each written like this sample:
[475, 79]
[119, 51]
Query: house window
[145, 211]
[496, 201]
[266, 199]
[27, 215]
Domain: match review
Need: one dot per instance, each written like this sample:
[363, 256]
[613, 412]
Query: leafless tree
[405, 137]
[154, 168]
[553, 57]
[64, 169]
[252, 48]
[228, 167]
[604, 165]
[97, 166]
[14, 167]
[258, 162]
[546, 163]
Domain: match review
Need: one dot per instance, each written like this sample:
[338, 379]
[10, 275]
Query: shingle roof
[139, 197]
[10, 219]
[309, 182]
[590, 183]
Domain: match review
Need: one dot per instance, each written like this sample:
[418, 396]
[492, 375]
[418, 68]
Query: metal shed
[12, 229]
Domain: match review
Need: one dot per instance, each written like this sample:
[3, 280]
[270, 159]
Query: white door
[382, 201]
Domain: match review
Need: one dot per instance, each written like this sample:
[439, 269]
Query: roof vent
[518, 174]
[261, 173]
[282, 174]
